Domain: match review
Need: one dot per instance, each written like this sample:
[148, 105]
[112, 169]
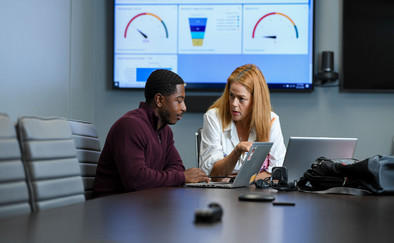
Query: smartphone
[278, 203]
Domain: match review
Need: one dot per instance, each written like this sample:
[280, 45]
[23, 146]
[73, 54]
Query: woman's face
[240, 101]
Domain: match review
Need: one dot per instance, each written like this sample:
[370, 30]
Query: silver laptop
[248, 171]
[303, 151]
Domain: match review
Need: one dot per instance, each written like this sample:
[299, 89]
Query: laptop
[251, 166]
[303, 151]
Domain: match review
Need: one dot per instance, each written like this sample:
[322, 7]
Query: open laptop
[303, 151]
[248, 171]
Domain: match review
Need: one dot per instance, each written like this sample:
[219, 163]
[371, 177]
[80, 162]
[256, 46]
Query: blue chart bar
[198, 22]
[143, 73]
[197, 29]
[197, 35]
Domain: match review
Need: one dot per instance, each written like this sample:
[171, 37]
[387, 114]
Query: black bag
[374, 175]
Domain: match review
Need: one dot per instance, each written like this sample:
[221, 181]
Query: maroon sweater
[136, 156]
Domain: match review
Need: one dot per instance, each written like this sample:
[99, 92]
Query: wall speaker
[327, 73]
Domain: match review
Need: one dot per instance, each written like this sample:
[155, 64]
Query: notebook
[303, 151]
[251, 165]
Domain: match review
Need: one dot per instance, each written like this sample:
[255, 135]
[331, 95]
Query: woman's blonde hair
[253, 80]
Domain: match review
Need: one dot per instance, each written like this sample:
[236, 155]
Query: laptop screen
[303, 151]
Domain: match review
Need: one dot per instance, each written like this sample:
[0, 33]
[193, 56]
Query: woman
[239, 117]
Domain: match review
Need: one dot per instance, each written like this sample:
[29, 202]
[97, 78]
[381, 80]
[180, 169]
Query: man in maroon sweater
[139, 151]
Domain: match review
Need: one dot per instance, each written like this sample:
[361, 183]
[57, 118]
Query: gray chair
[14, 192]
[392, 153]
[51, 163]
[88, 151]
[198, 144]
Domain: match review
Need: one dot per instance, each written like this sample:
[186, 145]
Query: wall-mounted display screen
[205, 40]
[368, 46]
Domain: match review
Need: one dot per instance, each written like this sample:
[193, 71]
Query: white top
[216, 143]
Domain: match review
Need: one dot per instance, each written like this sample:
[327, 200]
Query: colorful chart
[272, 13]
[197, 29]
[141, 31]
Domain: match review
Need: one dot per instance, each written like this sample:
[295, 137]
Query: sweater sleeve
[140, 164]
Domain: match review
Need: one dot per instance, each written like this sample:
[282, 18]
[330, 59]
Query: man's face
[173, 106]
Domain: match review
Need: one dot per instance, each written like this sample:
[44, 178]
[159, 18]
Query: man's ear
[158, 99]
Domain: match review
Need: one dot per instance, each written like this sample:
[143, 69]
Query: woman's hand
[225, 166]
[243, 147]
[262, 175]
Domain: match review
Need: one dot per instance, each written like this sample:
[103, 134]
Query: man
[139, 151]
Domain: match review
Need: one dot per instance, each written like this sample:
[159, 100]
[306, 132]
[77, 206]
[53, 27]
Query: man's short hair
[161, 81]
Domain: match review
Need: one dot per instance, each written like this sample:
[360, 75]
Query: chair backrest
[198, 144]
[51, 163]
[392, 152]
[14, 192]
[88, 151]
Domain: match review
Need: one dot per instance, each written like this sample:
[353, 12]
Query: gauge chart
[275, 36]
[147, 30]
[275, 30]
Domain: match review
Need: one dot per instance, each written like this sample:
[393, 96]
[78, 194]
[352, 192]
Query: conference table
[168, 215]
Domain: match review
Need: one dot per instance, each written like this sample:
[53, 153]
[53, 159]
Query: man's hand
[194, 175]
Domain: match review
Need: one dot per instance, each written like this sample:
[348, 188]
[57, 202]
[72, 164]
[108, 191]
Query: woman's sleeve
[211, 149]
[278, 150]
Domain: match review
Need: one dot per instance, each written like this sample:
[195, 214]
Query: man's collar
[152, 117]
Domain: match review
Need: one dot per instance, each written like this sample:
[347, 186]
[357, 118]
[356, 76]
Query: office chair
[14, 192]
[198, 143]
[51, 163]
[88, 152]
[392, 153]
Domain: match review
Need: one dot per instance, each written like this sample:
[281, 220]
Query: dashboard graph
[190, 36]
[276, 29]
[197, 29]
[144, 26]
[274, 36]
